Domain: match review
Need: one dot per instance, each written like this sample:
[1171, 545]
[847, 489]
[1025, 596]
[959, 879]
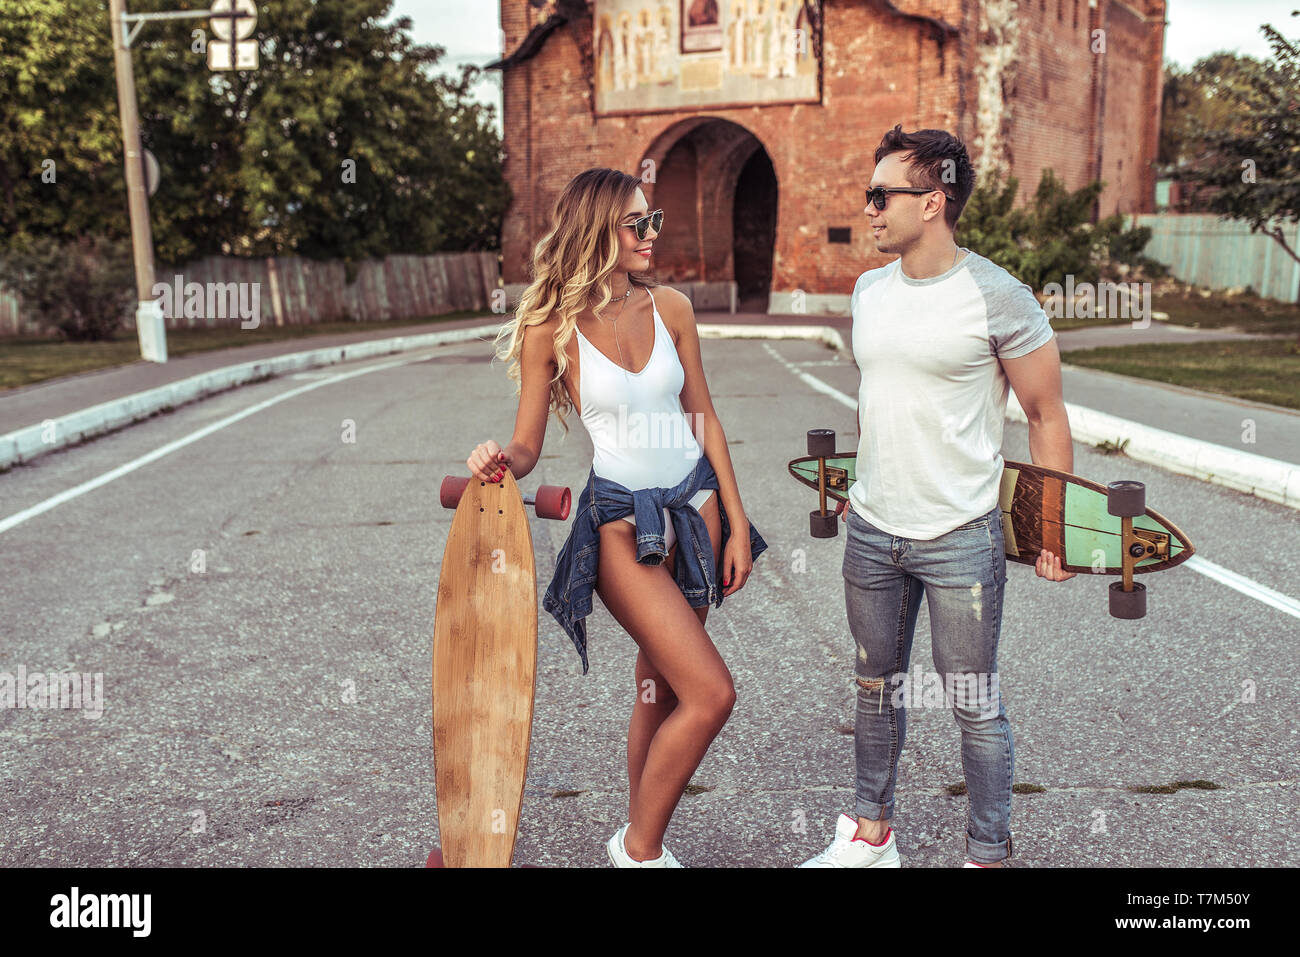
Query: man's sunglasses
[642, 225]
[880, 195]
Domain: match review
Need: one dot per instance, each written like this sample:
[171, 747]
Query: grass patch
[1107, 447]
[1260, 370]
[958, 789]
[1068, 323]
[1188, 306]
[1197, 785]
[24, 360]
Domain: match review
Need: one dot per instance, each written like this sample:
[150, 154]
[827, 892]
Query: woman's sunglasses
[643, 225]
[880, 195]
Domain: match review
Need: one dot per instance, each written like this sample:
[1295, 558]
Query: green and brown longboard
[1093, 528]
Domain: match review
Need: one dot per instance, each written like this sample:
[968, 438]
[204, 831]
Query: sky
[470, 31]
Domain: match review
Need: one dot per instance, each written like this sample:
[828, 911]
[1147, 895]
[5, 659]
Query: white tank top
[639, 433]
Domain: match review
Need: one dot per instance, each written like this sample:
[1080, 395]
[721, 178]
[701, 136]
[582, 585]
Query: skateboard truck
[821, 445]
[549, 501]
[1127, 499]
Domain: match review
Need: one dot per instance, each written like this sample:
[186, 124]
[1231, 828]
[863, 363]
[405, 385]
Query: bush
[1052, 238]
[83, 287]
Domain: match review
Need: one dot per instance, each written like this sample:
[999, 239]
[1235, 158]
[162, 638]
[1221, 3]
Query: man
[937, 335]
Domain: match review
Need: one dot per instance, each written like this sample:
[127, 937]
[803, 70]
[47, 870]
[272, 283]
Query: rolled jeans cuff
[872, 811]
[982, 853]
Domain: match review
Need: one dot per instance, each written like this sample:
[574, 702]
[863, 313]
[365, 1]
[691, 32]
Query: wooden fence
[296, 291]
[1224, 254]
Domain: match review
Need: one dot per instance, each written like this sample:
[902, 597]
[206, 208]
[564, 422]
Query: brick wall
[1018, 82]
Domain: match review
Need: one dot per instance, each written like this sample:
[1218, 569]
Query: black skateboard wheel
[821, 443]
[823, 526]
[1128, 604]
[1126, 498]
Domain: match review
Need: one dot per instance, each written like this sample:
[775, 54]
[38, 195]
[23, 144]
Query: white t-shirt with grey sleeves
[933, 395]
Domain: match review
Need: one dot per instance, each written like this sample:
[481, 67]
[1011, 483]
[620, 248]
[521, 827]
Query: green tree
[60, 134]
[1249, 164]
[81, 287]
[1053, 236]
[254, 162]
[1202, 98]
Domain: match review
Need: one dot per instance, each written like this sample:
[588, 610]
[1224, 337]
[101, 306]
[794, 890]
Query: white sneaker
[847, 852]
[618, 855]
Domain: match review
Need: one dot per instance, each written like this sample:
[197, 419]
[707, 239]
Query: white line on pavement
[1204, 566]
[53, 502]
[812, 381]
[1244, 585]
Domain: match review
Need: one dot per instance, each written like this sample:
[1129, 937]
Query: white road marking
[90, 485]
[1244, 585]
[811, 381]
[1224, 576]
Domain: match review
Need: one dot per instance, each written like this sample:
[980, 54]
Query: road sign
[152, 172]
[245, 55]
[233, 18]
[233, 22]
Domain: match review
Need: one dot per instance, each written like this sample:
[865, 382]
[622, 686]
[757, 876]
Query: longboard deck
[1041, 508]
[484, 674]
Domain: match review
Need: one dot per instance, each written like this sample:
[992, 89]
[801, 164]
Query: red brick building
[753, 122]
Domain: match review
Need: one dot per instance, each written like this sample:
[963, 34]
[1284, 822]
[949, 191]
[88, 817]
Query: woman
[589, 333]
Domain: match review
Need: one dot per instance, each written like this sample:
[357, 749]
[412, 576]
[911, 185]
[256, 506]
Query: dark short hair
[934, 152]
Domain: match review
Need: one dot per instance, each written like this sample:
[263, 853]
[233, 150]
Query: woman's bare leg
[655, 699]
[654, 702]
[678, 656]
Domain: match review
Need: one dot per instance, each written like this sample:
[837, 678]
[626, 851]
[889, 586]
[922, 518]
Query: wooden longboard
[1044, 508]
[484, 674]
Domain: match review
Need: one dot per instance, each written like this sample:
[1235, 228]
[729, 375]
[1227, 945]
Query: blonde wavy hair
[571, 269]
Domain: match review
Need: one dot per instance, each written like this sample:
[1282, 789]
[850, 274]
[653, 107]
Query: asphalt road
[273, 708]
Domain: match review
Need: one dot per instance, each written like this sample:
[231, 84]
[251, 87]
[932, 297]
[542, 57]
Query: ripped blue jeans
[963, 575]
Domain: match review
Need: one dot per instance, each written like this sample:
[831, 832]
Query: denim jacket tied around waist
[568, 598]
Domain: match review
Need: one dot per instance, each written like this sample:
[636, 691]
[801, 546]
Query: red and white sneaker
[848, 851]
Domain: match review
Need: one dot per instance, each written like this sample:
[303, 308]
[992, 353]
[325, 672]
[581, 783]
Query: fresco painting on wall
[701, 30]
[669, 54]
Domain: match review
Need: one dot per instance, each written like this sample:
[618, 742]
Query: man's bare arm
[1036, 377]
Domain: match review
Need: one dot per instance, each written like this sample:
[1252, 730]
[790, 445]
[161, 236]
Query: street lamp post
[233, 20]
[149, 325]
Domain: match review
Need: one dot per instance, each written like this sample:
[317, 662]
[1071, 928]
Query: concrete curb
[1270, 479]
[24, 445]
[1267, 478]
[830, 336]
